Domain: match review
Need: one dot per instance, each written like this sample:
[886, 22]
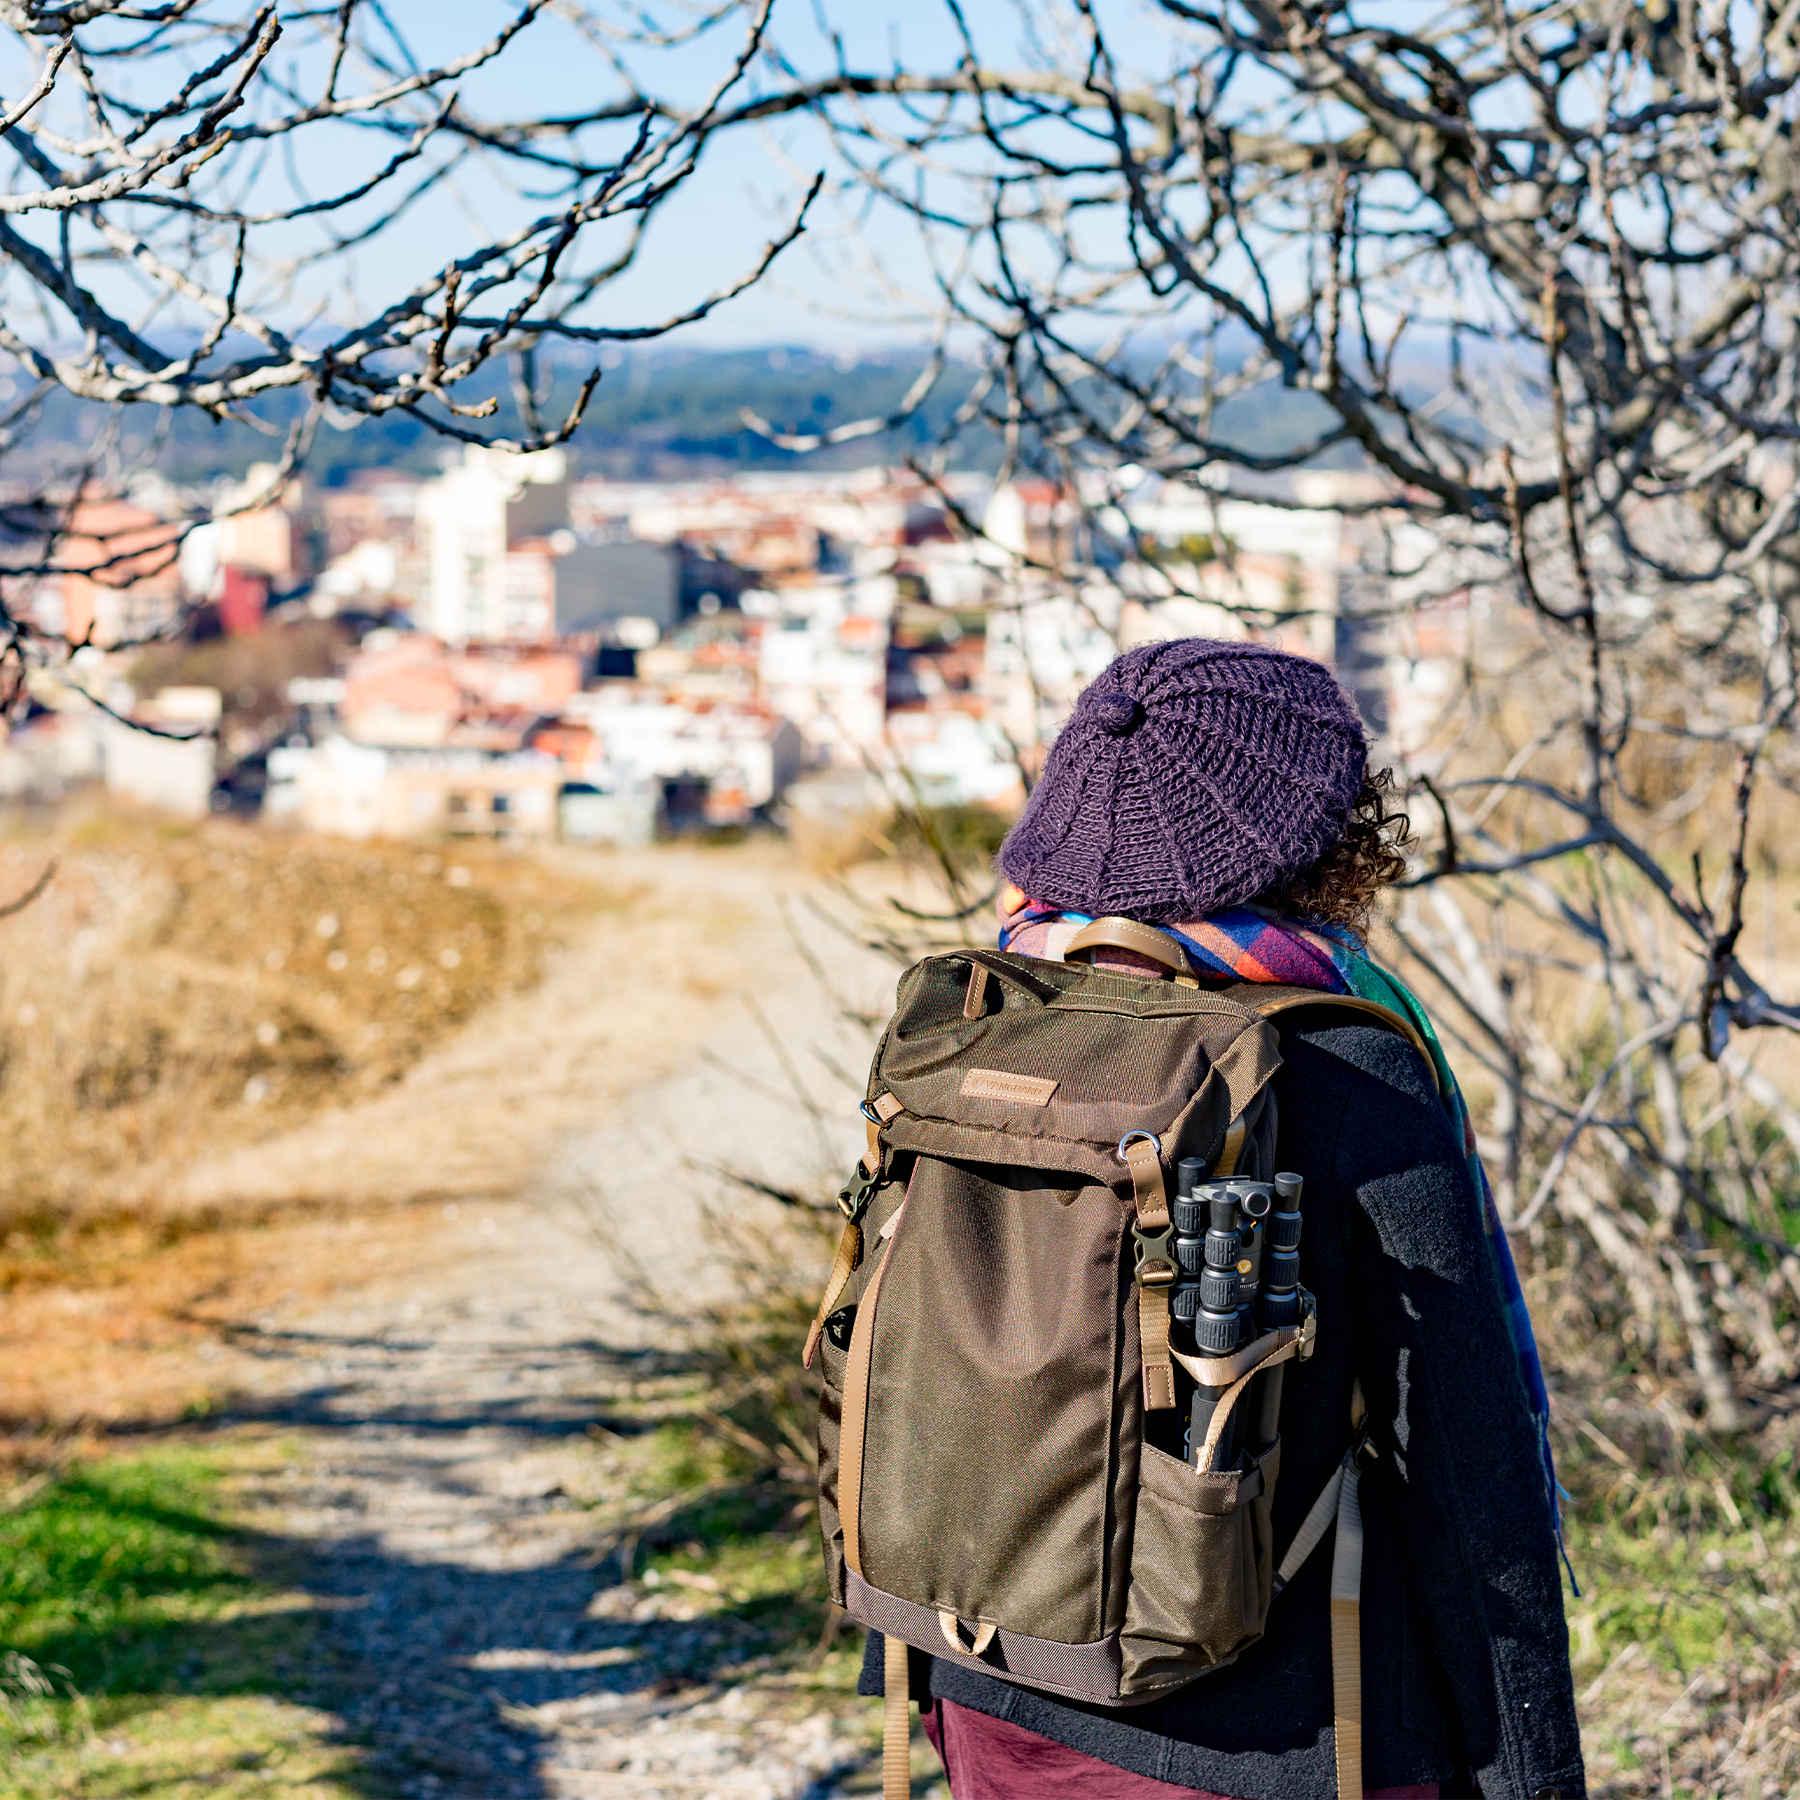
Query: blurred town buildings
[518, 652]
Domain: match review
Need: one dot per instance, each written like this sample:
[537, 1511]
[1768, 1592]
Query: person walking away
[1220, 794]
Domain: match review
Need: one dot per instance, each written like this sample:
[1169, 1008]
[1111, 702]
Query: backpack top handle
[1114, 933]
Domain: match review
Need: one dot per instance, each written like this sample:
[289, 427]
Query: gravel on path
[450, 1484]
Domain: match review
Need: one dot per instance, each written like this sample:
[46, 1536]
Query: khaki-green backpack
[1012, 1472]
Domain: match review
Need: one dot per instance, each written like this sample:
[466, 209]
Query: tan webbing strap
[1155, 1275]
[1346, 1635]
[896, 1721]
[1221, 1371]
[1272, 1000]
[843, 1266]
[1232, 1148]
[1228, 1400]
[1153, 1334]
[975, 1644]
[855, 1419]
[1312, 1530]
[849, 1252]
[1143, 1158]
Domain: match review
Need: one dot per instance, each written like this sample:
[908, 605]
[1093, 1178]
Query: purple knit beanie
[1191, 776]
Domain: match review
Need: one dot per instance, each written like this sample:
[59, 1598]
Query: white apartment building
[823, 664]
[953, 759]
[174, 773]
[746, 756]
[469, 518]
[1372, 595]
[351, 790]
[1045, 643]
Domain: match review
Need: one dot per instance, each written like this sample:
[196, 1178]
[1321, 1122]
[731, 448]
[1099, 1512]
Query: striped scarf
[1243, 943]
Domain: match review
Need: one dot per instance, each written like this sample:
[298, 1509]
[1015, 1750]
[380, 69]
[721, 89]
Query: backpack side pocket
[1202, 1568]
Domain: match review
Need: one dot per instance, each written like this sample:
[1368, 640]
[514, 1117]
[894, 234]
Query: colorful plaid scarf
[1244, 943]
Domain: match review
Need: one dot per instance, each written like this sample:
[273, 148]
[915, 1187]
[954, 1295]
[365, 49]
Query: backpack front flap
[1004, 1058]
[985, 1487]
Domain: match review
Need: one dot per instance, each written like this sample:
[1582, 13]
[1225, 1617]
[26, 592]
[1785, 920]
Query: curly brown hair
[1342, 886]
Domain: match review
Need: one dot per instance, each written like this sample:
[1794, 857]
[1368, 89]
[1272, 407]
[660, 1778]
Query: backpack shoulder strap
[1340, 1504]
[1268, 1000]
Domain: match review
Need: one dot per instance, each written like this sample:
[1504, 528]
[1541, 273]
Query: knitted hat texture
[1191, 776]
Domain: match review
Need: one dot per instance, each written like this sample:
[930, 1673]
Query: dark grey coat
[1465, 1654]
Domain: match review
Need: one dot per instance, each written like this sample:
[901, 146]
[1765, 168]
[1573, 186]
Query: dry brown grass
[179, 988]
[132, 1324]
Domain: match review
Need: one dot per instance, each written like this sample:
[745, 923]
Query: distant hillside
[660, 412]
[666, 412]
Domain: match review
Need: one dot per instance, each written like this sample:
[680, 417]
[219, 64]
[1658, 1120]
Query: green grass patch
[740, 1546]
[1683, 1636]
[101, 1568]
[723, 1525]
[1695, 1564]
[755, 1558]
[1685, 1600]
[140, 1650]
[730, 1529]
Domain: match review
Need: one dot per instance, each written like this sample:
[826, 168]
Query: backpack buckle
[1154, 1254]
[854, 1196]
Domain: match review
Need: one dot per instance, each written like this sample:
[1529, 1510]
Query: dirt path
[441, 1501]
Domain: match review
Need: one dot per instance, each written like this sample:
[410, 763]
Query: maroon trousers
[993, 1759]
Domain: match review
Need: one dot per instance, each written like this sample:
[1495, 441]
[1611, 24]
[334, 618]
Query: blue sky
[820, 291]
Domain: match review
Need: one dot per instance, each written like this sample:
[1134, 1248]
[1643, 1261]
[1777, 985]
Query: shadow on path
[462, 1624]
